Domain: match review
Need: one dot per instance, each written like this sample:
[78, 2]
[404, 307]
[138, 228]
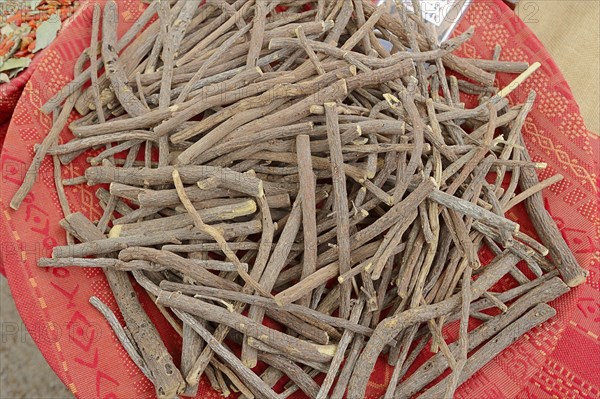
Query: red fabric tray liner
[557, 359]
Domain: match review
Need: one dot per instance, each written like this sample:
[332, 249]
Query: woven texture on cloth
[3, 131]
[570, 32]
[558, 359]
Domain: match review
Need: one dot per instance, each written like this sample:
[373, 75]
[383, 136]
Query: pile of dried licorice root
[309, 162]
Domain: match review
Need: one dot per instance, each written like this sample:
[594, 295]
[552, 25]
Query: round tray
[11, 91]
[557, 359]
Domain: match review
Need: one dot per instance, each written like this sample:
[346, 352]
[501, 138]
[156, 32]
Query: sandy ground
[23, 371]
[25, 374]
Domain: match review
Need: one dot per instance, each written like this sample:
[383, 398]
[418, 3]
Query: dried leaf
[46, 33]
[13, 73]
[8, 29]
[32, 4]
[15, 63]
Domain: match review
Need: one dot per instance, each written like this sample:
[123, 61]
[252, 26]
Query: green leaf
[15, 63]
[4, 78]
[46, 33]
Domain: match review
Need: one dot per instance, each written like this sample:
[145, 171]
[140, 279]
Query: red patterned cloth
[4, 122]
[556, 360]
[3, 131]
